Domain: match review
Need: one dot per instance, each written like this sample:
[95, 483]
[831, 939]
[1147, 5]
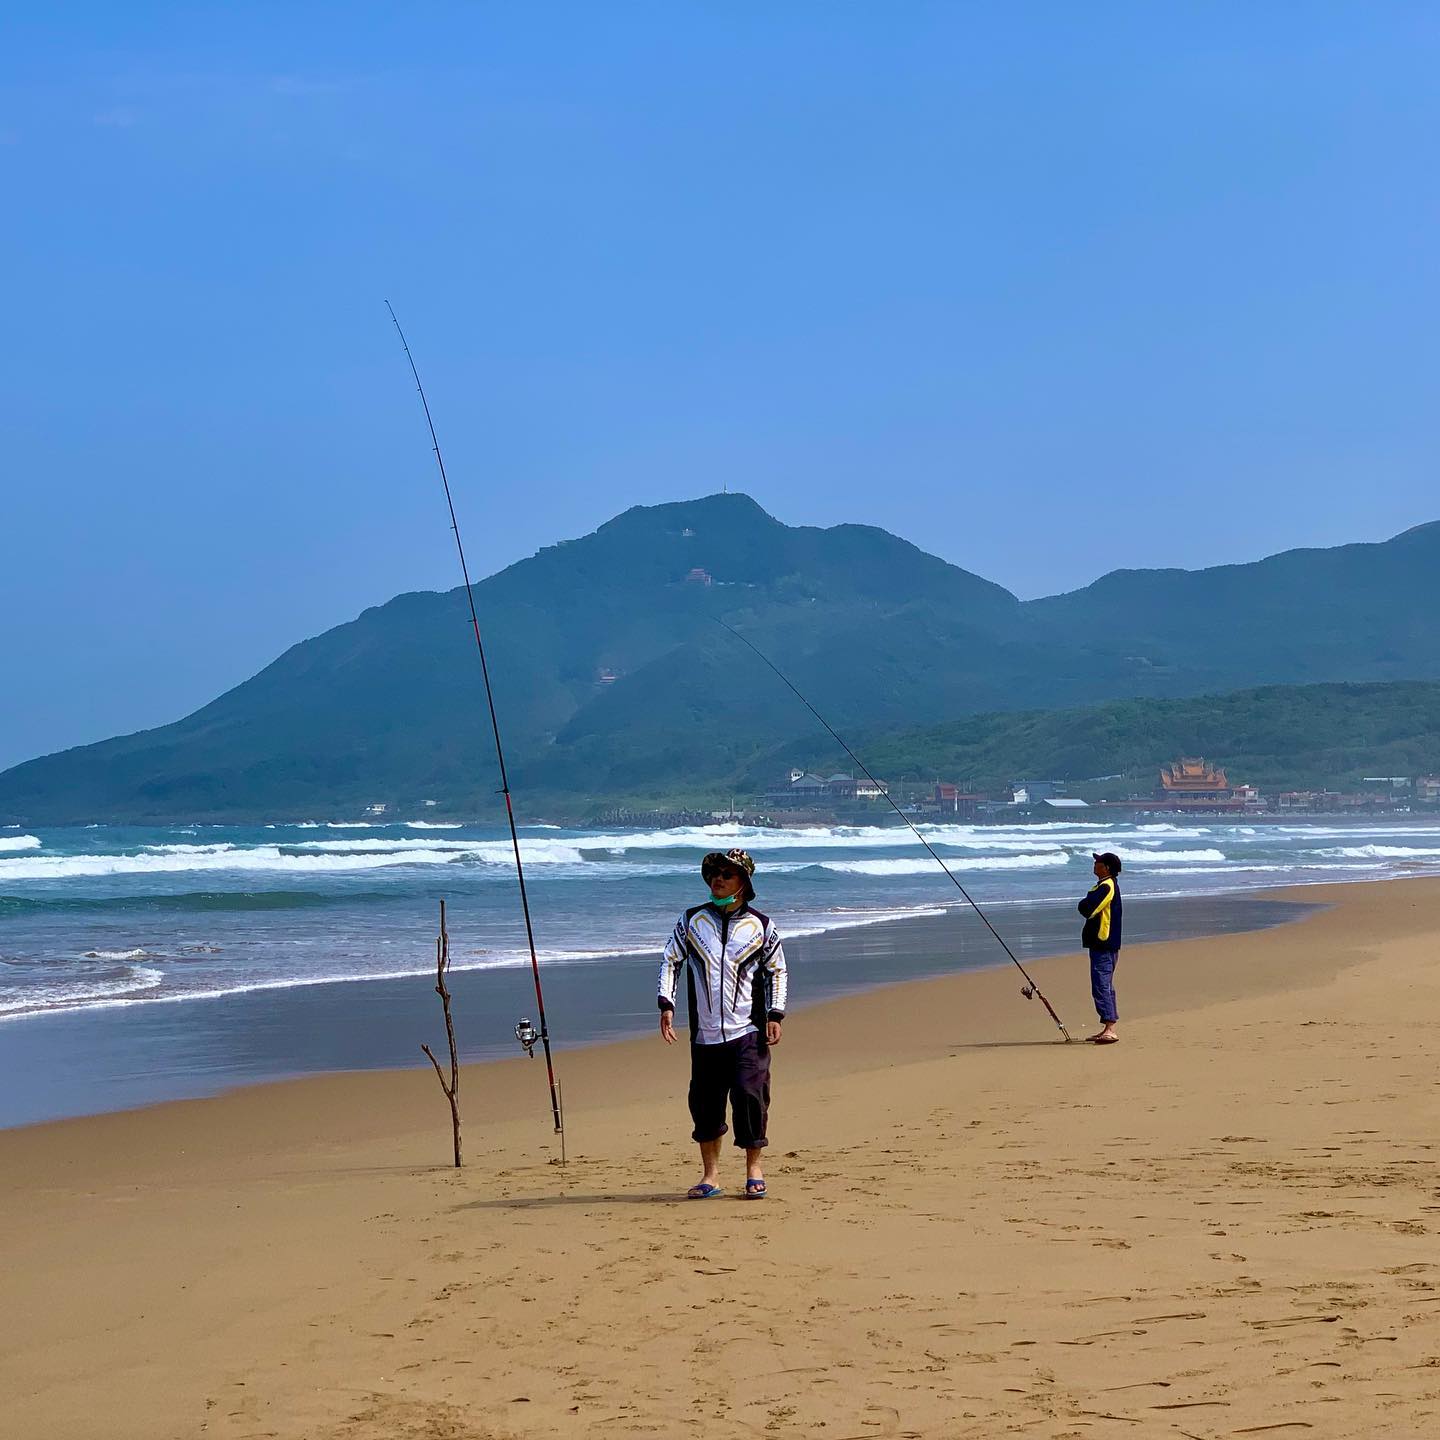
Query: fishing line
[1030, 988]
[525, 1033]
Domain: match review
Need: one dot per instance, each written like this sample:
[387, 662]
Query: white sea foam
[434, 825]
[116, 954]
[927, 866]
[991, 838]
[19, 842]
[1145, 858]
[80, 994]
[1380, 852]
[260, 858]
[499, 852]
[1238, 869]
[222, 848]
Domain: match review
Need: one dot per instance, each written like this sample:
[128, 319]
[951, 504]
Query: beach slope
[1225, 1225]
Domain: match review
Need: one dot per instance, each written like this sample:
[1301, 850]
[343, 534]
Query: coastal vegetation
[1279, 737]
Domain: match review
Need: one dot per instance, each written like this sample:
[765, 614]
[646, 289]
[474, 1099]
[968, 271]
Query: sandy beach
[1225, 1225]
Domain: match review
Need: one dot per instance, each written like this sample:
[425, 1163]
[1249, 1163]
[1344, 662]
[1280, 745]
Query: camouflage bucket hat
[739, 859]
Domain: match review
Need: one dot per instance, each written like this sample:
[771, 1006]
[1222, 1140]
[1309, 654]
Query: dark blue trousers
[738, 1071]
[1102, 984]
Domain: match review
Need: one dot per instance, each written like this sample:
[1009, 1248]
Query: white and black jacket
[734, 968]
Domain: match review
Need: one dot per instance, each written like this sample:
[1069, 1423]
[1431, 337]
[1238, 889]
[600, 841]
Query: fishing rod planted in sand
[1030, 988]
[525, 1032]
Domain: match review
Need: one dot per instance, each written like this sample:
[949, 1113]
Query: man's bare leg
[754, 1170]
[710, 1160]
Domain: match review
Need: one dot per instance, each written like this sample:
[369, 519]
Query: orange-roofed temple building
[1192, 784]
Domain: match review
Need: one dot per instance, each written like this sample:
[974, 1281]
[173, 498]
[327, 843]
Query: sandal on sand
[754, 1189]
[1106, 1040]
[702, 1191]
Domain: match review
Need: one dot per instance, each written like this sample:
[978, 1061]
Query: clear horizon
[1046, 294]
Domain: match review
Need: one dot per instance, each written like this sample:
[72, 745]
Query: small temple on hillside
[1194, 782]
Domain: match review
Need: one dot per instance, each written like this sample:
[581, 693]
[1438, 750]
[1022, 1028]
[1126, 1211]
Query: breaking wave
[1144, 858]
[928, 867]
[19, 842]
[1380, 852]
[261, 858]
[81, 991]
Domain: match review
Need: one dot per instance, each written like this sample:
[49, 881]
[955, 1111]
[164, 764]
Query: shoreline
[1225, 1221]
[147, 1052]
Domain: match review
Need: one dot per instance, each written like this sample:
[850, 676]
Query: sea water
[111, 917]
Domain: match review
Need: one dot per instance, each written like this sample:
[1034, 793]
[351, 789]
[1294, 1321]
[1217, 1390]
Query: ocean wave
[1146, 858]
[218, 848]
[1003, 837]
[1238, 868]
[19, 842]
[1380, 852]
[499, 852]
[434, 825]
[204, 900]
[81, 993]
[929, 867]
[260, 858]
[116, 954]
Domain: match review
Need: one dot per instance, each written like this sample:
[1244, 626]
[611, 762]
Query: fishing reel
[527, 1035]
[1028, 991]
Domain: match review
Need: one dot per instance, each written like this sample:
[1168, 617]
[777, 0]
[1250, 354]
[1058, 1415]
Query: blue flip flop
[702, 1191]
[754, 1189]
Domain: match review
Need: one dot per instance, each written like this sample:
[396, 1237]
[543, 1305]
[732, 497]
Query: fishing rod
[1030, 988]
[525, 1032]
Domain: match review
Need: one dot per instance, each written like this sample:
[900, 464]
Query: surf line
[1030, 989]
[525, 1033]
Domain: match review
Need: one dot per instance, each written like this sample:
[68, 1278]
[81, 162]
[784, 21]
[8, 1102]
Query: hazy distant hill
[1357, 612]
[614, 680]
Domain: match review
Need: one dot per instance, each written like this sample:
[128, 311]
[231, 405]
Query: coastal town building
[804, 789]
[1032, 792]
[949, 799]
[1193, 784]
[1192, 780]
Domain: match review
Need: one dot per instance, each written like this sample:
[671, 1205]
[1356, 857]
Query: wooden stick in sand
[452, 1088]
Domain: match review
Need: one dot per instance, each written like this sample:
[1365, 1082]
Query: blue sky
[1050, 289]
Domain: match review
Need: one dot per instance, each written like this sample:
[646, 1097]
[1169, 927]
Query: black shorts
[737, 1070]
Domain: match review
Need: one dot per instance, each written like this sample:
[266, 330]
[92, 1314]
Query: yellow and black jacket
[1102, 911]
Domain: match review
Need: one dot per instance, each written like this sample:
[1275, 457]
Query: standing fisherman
[1102, 910]
[735, 975]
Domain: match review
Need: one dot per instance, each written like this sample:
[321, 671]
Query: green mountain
[613, 681]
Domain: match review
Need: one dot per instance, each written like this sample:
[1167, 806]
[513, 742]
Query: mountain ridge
[611, 676]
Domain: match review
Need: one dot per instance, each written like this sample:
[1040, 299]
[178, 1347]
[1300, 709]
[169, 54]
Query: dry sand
[1225, 1225]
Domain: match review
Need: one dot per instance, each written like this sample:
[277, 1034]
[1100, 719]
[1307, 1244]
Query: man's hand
[667, 1026]
[772, 1032]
